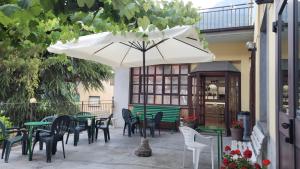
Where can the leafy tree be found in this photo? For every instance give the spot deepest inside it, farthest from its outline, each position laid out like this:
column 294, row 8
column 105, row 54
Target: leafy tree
column 28, row 27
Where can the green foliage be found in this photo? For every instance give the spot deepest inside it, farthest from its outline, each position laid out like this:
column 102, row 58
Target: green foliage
column 28, row 27
column 7, row 123
column 5, row 120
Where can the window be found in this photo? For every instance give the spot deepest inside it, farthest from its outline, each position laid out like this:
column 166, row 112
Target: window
column 94, row 101
column 166, row 84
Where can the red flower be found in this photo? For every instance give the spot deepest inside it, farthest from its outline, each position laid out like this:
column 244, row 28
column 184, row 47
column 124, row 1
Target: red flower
column 266, row 162
column 232, row 166
column 244, row 167
column 227, row 148
column 257, row 166
column 237, row 124
column 222, row 167
column 238, row 152
column 232, row 152
column 225, row 161
column 247, row 153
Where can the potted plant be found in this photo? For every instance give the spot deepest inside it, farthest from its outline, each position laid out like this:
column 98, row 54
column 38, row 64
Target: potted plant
column 237, row 130
column 189, row 121
column 236, row 159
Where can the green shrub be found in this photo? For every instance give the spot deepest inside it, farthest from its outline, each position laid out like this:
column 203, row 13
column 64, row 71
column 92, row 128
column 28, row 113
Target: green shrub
column 7, row 124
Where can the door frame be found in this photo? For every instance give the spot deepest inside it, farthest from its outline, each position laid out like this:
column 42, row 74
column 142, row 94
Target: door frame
column 292, row 62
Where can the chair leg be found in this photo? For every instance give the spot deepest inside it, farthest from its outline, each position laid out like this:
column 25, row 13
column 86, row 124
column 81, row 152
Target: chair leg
column 105, row 135
column 152, row 131
column 108, row 134
column 24, row 144
column 124, row 129
column 54, row 147
column 4, row 147
column 7, row 152
column 89, row 134
column 63, row 147
column 67, row 137
column 197, row 156
column 159, row 131
column 96, row 133
column 41, row 145
column 49, row 150
column 33, row 145
column 76, row 137
column 129, row 130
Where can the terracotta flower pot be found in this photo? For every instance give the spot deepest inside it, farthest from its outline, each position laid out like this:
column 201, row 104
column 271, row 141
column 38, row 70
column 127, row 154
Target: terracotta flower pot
column 237, row 133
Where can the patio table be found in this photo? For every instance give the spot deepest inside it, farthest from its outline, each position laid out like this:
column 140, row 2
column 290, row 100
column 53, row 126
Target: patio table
column 31, row 125
column 91, row 128
column 219, row 132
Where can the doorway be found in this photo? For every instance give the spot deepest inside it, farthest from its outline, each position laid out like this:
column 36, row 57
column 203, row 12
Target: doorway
column 215, row 94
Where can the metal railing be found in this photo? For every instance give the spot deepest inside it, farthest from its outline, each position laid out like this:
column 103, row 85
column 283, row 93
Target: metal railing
column 19, row 113
column 102, row 108
column 226, row 17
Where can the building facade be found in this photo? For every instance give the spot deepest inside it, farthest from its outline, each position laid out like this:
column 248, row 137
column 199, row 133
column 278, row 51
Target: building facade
column 213, row 92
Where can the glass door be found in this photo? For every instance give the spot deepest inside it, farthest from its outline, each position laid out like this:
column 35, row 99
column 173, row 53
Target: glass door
column 286, row 86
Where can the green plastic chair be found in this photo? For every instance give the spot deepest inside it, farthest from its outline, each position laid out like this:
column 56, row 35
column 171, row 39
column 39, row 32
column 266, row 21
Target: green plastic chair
column 8, row 141
column 40, row 130
column 78, row 126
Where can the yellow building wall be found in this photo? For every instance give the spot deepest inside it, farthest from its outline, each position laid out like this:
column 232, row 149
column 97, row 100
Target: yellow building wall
column 271, row 103
column 105, row 94
column 238, row 54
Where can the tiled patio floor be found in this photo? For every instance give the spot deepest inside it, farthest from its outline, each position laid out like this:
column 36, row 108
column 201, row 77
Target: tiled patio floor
column 116, row 154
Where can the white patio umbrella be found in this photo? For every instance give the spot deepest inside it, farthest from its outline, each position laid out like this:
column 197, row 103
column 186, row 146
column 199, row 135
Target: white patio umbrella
column 179, row 44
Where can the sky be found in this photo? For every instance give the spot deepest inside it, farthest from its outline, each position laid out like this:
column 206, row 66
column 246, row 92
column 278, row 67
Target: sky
column 214, row 3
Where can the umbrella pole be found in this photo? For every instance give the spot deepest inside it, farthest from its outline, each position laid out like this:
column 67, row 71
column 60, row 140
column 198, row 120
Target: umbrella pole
column 144, row 149
column 145, row 94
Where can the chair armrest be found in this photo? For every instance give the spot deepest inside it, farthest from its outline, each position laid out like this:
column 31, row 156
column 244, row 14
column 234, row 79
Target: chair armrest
column 100, row 121
column 15, row 130
column 203, row 137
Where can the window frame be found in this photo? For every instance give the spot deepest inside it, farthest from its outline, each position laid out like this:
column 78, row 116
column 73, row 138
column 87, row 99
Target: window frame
column 163, row 84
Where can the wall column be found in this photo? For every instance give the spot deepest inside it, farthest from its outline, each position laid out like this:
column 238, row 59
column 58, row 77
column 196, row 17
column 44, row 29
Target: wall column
column 121, row 94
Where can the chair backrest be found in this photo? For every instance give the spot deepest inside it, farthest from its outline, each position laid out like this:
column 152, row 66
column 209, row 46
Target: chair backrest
column 48, row 119
column 188, row 134
column 3, row 133
column 158, row 117
column 257, row 138
column 126, row 114
column 60, row 125
column 108, row 120
column 84, row 114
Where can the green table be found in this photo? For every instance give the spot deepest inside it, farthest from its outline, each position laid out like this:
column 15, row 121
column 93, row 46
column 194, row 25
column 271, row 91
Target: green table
column 91, row 128
column 31, row 125
column 219, row 132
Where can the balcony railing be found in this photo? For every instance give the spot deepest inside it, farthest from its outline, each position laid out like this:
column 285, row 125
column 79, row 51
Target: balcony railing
column 231, row 17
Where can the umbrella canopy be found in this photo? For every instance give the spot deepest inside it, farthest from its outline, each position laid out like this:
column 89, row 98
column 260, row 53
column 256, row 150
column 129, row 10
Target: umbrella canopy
column 179, row 44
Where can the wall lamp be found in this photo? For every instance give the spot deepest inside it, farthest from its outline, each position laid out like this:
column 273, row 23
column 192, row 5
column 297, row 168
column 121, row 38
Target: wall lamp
column 251, row 46
column 258, row 2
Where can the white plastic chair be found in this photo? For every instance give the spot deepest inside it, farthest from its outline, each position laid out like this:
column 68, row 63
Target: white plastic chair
column 189, row 135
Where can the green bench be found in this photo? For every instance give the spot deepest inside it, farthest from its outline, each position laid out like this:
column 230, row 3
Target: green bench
column 171, row 114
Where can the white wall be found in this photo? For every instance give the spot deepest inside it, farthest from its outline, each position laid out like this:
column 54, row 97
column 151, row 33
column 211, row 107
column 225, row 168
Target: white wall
column 121, row 94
